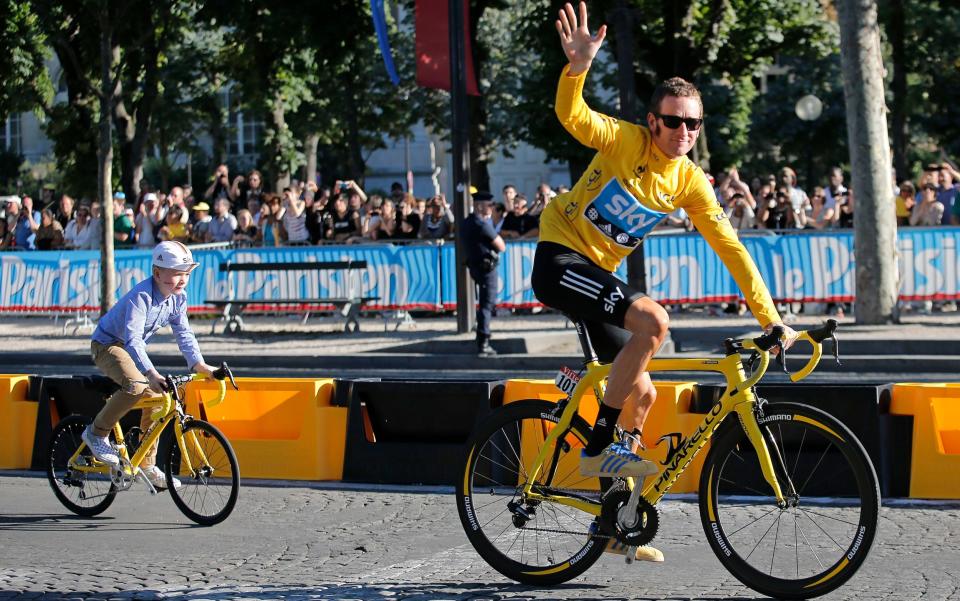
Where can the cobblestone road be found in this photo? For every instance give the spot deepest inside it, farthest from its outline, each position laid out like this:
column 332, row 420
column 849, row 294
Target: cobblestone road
column 303, row 543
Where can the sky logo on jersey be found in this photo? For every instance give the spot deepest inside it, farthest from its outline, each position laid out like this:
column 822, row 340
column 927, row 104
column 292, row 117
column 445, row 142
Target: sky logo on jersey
column 620, row 216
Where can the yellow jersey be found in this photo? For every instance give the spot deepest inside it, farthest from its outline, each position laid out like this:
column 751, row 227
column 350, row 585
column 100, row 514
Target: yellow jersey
column 628, row 188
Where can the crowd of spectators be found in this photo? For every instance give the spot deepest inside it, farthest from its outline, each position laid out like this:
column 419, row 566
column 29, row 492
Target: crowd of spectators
column 242, row 212
column 776, row 202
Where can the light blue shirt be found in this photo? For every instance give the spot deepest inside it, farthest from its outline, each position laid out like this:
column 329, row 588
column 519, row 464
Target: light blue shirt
column 222, row 228
column 139, row 315
column 23, row 234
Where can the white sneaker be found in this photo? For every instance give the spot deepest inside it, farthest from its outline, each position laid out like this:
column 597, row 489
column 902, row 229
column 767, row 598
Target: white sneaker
column 100, row 447
column 158, row 479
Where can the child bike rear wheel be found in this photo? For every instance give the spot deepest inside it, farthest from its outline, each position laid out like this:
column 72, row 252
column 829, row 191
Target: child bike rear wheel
column 208, row 471
column 533, row 542
column 86, row 493
column 819, row 540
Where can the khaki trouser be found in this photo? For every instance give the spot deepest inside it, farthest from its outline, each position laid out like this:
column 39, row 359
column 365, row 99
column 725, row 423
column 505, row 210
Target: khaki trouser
column 115, row 362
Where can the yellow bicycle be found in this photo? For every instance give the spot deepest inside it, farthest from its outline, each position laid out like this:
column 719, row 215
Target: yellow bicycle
column 788, row 497
column 201, row 457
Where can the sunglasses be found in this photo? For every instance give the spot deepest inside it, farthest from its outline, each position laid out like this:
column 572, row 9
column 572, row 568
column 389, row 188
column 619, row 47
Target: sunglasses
column 673, row 122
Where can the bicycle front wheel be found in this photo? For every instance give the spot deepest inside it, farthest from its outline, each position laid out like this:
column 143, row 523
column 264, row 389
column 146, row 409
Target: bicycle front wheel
column 821, row 538
column 530, row 541
column 208, row 472
column 83, row 485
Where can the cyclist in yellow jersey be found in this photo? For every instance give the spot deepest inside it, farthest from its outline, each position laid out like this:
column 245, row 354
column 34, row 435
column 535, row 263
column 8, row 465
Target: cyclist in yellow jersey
column 638, row 176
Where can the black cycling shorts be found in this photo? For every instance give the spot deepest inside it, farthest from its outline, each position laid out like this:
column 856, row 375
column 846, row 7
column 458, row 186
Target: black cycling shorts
column 565, row 280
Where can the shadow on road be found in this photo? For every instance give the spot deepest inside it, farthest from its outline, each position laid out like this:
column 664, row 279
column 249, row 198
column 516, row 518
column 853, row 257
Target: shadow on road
column 441, row 591
column 44, row 522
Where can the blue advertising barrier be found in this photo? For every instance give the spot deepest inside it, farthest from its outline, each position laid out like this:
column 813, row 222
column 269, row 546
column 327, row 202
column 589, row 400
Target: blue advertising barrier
column 680, row 268
column 64, row 281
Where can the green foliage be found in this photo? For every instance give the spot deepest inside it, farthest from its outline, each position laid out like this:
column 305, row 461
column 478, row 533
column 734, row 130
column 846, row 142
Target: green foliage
column 534, row 118
column 780, row 138
column 719, row 45
column 23, row 50
column 191, row 76
column 933, row 82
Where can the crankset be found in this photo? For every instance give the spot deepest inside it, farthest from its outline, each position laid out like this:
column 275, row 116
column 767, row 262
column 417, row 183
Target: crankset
column 632, row 528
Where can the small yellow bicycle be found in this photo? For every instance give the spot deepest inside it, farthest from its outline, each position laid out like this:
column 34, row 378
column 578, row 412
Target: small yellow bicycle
column 201, row 457
column 788, row 497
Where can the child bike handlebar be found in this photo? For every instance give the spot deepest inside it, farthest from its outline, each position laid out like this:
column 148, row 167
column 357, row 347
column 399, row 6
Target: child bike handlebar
column 220, row 374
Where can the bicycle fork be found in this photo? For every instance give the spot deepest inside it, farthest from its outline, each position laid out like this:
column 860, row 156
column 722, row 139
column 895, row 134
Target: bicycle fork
column 749, row 419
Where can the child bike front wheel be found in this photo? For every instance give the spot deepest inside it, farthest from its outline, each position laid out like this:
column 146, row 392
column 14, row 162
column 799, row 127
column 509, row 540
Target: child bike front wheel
column 208, row 472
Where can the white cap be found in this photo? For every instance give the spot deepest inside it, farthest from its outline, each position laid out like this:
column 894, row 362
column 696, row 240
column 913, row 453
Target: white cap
column 6, row 199
column 173, row 255
column 149, row 196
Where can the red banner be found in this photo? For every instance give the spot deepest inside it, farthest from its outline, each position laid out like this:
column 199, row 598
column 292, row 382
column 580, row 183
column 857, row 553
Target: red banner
column 433, row 45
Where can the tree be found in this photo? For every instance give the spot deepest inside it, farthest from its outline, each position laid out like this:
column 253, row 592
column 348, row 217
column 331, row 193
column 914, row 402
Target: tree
column 926, row 80
column 23, row 51
column 85, row 36
column 191, row 77
column 875, row 231
column 498, row 63
column 725, row 41
column 270, row 61
column 147, row 31
column 778, row 137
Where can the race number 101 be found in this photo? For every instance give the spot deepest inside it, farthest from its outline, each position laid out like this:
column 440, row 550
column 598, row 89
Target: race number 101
column 566, row 380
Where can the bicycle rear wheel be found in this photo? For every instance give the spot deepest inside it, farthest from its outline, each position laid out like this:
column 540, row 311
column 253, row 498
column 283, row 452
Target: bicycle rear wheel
column 208, row 471
column 822, row 537
column 86, row 493
column 533, row 542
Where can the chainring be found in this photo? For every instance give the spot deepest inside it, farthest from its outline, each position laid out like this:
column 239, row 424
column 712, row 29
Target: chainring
column 638, row 535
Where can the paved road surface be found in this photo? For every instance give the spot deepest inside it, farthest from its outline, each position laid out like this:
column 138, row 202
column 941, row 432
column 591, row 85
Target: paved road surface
column 296, row 542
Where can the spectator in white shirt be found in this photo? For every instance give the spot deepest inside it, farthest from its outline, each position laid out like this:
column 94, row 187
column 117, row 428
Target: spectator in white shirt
column 81, row 233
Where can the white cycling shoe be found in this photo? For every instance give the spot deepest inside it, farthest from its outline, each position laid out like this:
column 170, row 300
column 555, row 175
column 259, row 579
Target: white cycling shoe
column 158, row 479
column 100, row 447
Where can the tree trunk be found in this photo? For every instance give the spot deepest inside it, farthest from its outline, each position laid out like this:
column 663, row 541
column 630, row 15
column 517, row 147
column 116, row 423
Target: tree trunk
column 311, row 144
column 281, row 166
column 109, row 55
column 356, row 166
column 899, row 116
column 165, row 166
column 479, row 170
column 874, row 220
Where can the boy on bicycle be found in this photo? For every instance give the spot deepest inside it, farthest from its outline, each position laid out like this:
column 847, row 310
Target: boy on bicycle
column 119, row 346
column 638, row 176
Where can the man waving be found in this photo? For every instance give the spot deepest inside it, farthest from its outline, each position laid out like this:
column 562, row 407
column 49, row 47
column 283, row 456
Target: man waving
column 638, row 176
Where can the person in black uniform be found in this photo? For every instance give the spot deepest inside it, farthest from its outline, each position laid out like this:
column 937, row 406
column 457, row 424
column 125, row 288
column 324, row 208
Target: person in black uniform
column 483, row 246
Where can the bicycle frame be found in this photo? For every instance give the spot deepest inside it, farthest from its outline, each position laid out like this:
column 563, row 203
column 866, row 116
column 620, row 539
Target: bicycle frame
column 168, row 408
column 737, row 398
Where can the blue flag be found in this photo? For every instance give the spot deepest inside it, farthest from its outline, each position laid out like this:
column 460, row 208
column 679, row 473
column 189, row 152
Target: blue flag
column 380, row 24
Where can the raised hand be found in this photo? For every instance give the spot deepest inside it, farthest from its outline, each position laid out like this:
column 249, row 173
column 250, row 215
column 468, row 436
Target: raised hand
column 579, row 46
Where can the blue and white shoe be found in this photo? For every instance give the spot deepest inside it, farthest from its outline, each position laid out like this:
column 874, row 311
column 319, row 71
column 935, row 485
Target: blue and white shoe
column 616, row 461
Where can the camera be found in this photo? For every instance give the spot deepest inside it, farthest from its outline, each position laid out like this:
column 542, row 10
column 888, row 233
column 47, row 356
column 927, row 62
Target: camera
column 344, row 186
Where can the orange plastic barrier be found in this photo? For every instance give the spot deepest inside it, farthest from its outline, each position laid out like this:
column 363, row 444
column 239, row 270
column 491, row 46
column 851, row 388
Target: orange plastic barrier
column 671, row 413
column 935, row 456
column 18, row 422
column 280, row 428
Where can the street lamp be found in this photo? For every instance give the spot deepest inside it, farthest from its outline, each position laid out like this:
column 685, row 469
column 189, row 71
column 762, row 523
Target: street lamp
column 808, row 109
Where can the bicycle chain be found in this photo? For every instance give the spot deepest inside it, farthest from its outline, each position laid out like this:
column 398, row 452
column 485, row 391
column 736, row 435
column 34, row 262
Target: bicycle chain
column 555, row 531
